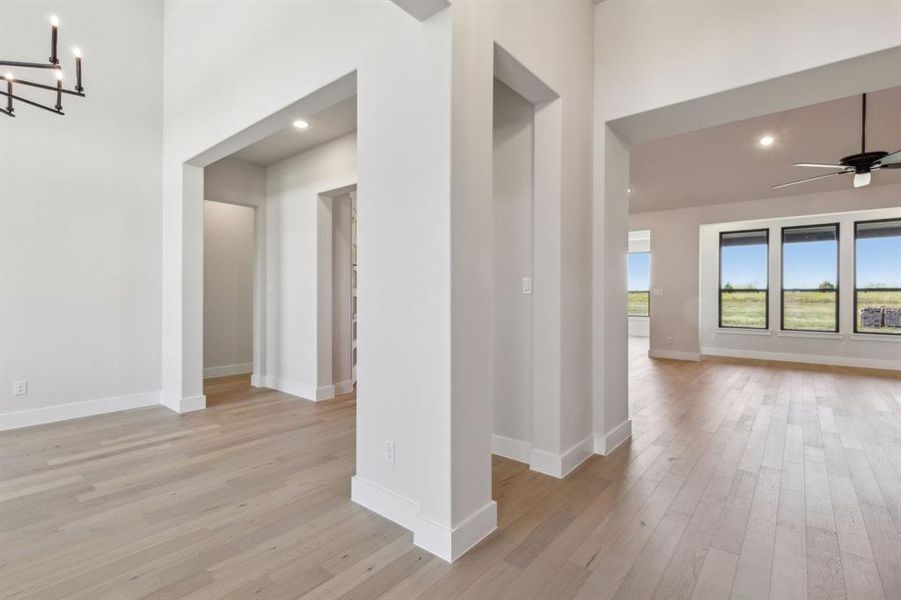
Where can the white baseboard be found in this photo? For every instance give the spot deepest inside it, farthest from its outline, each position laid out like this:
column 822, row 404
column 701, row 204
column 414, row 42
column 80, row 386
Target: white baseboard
column 449, row 544
column 295, row 388
column 674, row 354
column 75, row 410
column 226, row 370
column 402, row 511
column 344, row 387
column 510, row 448
column 325, row 392
column 561, row 465
column 604, row 444
column 445, row 543
column 184, row 405
column 257, row 380
column 812, row 359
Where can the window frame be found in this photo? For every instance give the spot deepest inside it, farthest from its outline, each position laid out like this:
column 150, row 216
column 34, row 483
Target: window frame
column 647, row 291
column 782, row 288
column 854, row 266
column 719, row 292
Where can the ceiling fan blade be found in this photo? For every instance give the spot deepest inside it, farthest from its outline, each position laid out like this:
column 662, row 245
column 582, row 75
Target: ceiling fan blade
column 891, row 166
column 782, row 185
column 819, row 165
column 891, row 159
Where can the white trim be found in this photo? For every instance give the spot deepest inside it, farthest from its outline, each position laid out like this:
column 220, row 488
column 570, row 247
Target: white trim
column 739, row 331
column 875, row 337
column 510, row 448
column 814, row 335
column 561, row 465
column 447, row 544
column 184, row 405
column 546, row 462
column 289, row 386
column 257, row 380
column 76, row 410
column 674, row 354
column 451, row 544
column 226, row 370
column 814, row 359
column 576, row 455
column 325, row 392
column 402, row 511
column 605, row 444
column 344, row 387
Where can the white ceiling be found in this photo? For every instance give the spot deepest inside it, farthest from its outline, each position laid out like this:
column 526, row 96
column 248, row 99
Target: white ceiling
column 326, row 125
column 727, row 164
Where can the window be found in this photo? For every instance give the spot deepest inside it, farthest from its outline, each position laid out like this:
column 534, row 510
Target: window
column 877, row 276
column 639, row 284
column 810, row 278
column 744, row 294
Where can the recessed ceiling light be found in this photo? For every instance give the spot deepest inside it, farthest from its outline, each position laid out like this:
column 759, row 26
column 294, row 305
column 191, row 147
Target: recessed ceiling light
column 628, row 190
column 767, row 140
column 301, row 124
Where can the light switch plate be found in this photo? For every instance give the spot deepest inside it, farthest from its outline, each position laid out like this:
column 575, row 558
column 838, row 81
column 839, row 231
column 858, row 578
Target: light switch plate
column 527, row 285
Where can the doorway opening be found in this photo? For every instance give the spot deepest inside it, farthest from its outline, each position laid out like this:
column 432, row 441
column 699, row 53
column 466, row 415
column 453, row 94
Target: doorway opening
column 292, row 260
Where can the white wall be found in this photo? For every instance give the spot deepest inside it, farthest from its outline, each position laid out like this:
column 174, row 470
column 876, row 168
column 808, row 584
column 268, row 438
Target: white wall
column 228, row 261
column 235, row 181
column 653, row 53
column 676, row 254
column 512, row 218
column 80, row 216
column 842, row 348
column 299, row 302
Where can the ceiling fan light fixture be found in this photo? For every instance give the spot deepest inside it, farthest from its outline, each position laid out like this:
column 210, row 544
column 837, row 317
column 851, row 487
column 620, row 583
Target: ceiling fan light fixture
column 861, row 179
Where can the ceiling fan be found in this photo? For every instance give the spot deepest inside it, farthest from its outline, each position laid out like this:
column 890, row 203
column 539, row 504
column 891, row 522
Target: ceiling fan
column 861, row 165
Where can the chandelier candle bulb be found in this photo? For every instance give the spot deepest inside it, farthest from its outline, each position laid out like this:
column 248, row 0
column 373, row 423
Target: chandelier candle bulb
column 54, row 34
column 77, row 52
column 59, row 90
column 9, row 93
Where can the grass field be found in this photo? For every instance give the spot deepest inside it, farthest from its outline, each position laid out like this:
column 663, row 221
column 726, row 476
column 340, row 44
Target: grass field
column 743, row 309
column 811, row 311
column 639, row 304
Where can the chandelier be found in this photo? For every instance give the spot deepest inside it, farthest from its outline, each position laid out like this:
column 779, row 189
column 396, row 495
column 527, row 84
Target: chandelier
column 12, row 81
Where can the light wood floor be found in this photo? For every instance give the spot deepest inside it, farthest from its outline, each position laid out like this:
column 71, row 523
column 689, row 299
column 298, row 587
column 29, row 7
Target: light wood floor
column 742, row 479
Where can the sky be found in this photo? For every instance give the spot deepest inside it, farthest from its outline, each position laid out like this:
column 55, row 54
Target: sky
column 744, row 266
column 639, row 271
column 879, row 262
column 806, row 265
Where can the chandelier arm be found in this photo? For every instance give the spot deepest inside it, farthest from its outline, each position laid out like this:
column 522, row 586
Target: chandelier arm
column 47, row 87
column 29, row 65
column 27, row 101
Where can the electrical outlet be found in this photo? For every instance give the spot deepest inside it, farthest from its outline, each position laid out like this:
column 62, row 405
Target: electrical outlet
column 20, row 388
column 669, row 339
column 389, row 451
column 658, row 291
column 527, row 285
